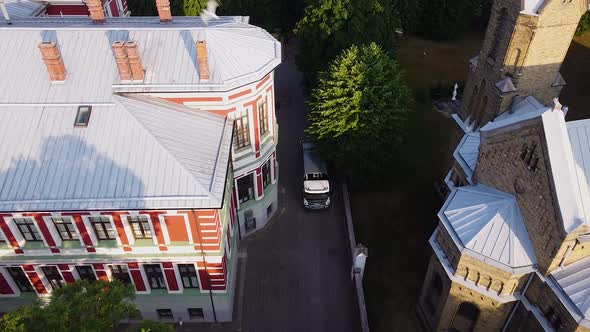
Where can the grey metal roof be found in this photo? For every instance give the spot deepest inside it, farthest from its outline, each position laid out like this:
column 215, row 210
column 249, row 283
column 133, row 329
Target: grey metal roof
column 238, row 54
column 488, row 222
column 138, row 153
column 574, row 280
column 467, row 153
column 23, row 8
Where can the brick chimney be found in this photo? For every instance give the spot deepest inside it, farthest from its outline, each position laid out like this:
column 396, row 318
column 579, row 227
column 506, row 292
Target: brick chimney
column 53, row 61
column 202, row 60
column 96, row 11
column 164, row 10
column 122, row 60
column 137, row 73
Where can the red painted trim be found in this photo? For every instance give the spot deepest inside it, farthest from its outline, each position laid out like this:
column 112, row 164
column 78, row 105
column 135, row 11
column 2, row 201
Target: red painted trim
column 222, row 112
column 240, row 94
column 67, row 10
column 102, row 275
column 119, row 226
column 54, row 250
column 36, row 281
column 171, row 279
column 193, row 99
column 98, row 266
column 137, row 280
column 133, row 265
column 5, row 288
column 68, row 277
column 38, row 217
column 81, row 227
column 176, row 227
column 7, row 232
column 163, row 248
column 127, row 249
column 204, row 280
column 114, row 9
column 91, row 249
column 154, row 216
column 63, row 267
column 19, row 251
column 28, row 268
column 167, row 265
column 254, row 105
column 259, row 181
column 264, row 80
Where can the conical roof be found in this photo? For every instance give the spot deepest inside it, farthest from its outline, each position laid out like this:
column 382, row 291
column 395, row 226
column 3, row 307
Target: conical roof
column 488, row 222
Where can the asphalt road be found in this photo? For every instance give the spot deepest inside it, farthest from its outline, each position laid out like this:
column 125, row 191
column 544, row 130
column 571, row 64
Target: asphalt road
column 298, row 268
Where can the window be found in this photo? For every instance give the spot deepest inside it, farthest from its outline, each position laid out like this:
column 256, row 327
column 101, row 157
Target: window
column 53, row 275
column 266, row 174
column 465, row 318
column 263, row 117
column 20, row 279
column 66, row 229
column 165, row 313
column 141, row 227
column 246, row 188
column 27, row 228
column 121, row 273
column 241, row 131
column 86, row 273
column 103, row 228
column 2, row 239
column 83, row 116
column 155, row 276
column 188, row 275
column 195, row 313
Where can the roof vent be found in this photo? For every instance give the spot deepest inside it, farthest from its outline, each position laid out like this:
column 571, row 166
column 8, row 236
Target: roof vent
column 137, row 73
column 96, row 11
column 53, row 61
column 164, row 10
column 202, row 60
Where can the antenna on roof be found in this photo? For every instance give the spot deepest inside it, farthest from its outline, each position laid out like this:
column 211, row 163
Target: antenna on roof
column 5, row 12
column 208, row 13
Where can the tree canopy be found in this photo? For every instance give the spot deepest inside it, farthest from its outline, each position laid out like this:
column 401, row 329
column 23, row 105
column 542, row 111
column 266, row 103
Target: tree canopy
column 82, row 306
column 330, row 26
column 359, row 111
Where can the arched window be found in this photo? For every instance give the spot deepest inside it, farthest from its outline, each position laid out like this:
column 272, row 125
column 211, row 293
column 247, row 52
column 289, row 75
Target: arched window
column 501, row 24
column 436, row 287
column 465, row 318
column 514, row 61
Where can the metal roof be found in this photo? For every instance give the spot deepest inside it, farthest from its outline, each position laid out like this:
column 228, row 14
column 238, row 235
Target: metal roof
column 23, row 8
column 136, row 154
column 238, row 54
column 467, row 153
column 578, row 132
column 574, row 280
column 489, row 223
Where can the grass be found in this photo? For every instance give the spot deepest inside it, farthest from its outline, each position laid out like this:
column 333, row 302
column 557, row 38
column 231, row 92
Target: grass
column 395, row 223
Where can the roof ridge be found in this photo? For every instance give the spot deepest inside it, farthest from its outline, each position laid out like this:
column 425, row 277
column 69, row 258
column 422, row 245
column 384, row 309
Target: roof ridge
column 174, row 156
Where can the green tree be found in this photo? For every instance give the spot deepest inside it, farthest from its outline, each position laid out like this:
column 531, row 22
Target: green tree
column 330, row 26
column 359, row 112
column 83, row 306
column 584, row 25
column 191, row 7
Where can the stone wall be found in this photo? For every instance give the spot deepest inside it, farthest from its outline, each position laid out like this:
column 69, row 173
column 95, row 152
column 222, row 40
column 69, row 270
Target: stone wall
column 514, row 160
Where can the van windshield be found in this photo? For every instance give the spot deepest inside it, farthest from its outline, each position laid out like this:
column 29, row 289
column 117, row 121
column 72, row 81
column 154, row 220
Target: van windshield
column 315, row 177
column 311, row 197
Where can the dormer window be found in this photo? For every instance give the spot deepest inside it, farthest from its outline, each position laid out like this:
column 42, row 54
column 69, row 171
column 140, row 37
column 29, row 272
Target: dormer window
column 83, row 116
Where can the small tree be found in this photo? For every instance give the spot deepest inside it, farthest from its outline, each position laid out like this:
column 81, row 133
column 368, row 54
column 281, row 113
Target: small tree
column 83, row 306
column 193, row 7
column 359, row 111
column 584, row 25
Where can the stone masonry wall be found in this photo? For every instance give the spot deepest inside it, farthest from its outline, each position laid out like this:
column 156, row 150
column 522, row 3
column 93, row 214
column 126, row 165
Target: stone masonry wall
column 514, row 160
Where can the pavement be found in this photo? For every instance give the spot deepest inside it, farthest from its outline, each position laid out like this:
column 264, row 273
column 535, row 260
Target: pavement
column 294, row 275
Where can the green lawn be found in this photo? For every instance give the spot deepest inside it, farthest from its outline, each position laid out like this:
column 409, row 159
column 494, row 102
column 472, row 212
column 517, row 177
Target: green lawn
column 396, row 222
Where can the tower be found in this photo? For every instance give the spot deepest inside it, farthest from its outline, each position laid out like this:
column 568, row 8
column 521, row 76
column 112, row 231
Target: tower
column 525, row 44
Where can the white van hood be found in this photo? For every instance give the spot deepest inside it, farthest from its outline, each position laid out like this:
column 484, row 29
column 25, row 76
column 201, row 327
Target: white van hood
column 317, row 186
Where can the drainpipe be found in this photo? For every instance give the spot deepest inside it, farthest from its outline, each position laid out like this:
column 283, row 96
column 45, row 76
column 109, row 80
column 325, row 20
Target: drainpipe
column 205, row 264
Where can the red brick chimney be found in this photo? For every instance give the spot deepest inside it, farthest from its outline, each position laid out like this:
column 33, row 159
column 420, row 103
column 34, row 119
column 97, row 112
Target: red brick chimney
column 164, row 10
column 137, row 73
column 96, row 11
column 122, row 60
column 202, row 60
column 53, row 61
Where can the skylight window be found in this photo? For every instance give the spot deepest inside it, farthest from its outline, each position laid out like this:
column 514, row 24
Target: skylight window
column 83, row 116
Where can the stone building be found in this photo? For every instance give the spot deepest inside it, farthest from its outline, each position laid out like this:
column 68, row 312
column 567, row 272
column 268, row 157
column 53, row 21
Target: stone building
column 134, row 148
column 512, row 247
